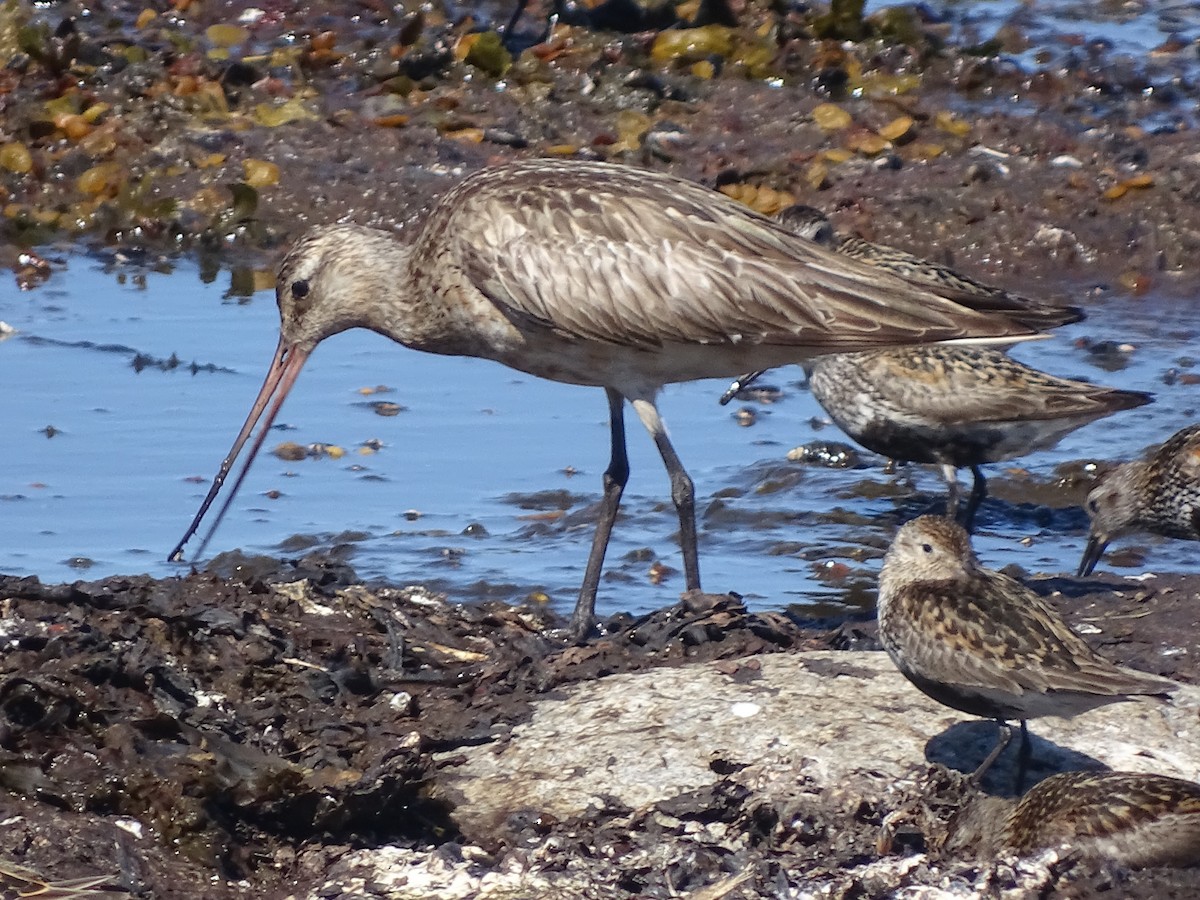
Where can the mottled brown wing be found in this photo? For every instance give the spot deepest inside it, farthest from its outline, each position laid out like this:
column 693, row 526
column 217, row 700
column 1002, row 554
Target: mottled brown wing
column 1073, row 805
column 626, row 256
column 959, row 287
column 1023, row 645
column 952, row 385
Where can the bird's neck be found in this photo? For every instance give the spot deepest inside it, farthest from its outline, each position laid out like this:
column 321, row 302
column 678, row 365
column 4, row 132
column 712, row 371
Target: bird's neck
column 387, row 295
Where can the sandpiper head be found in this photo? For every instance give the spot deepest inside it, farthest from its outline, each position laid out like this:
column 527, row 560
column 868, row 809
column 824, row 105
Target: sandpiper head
column 929, row 548
column 1112, row 505
column 326, row 282
column 806, row 222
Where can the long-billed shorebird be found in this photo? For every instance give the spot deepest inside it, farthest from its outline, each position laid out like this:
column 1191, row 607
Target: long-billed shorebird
column 606, row 276
column 981, row 642
column 1160, row 495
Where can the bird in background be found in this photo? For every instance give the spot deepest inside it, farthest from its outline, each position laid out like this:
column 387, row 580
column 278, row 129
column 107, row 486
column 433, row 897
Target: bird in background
column 813, row 225
column 1160, row 494
column 604, row 276
column 956, row 407
column 982, row 643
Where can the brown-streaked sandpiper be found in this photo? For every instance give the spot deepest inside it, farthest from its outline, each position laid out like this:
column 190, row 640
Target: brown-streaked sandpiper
column 981, row 642
column 1160, row 494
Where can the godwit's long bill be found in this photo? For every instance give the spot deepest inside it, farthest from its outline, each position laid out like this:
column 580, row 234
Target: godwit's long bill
column 598, row 275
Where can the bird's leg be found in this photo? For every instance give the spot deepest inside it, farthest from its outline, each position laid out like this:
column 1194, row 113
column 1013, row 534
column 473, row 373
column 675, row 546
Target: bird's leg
column 683, row 492
column 978, row 493
column 739, row 383
column 519, row 10
column 953, row 491
column 1024, row 755
column 1002, row 741
column 615, row 477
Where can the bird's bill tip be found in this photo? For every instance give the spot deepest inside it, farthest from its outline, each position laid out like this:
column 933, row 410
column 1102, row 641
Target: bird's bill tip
column 285, row 366
column 1091, row 555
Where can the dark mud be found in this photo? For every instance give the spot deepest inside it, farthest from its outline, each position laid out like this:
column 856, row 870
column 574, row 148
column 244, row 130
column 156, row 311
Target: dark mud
column 152, row 132
column 243, row 735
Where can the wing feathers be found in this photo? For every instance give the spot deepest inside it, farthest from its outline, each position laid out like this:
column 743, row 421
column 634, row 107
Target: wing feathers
column 624, row 256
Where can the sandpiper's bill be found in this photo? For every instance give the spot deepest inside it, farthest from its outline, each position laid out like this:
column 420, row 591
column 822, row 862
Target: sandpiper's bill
column 1160, row 494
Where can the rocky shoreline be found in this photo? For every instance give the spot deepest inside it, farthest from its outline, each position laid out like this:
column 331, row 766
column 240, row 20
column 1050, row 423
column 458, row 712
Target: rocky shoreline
column 289, row 731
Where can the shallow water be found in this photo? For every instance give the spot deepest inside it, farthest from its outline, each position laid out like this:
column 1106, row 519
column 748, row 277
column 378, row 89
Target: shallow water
column 106, row 463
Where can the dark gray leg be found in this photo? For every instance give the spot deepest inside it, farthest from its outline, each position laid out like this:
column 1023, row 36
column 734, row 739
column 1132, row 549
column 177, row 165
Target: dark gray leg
column 978, row 492
column 517, row 12
column 1002, row 741
column 683, row 492
column 615, row 477
column 1024, row 755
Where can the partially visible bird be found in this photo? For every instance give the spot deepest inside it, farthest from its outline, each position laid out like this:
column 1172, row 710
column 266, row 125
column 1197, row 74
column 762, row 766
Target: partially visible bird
column 981, row 642
column 1134, row 819
column 949, row 406
column 1160, row 494
column 601, row 275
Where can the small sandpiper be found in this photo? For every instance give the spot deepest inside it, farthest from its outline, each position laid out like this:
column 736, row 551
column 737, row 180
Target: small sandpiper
column 1160, row 495
column 1132, row 818
column 951, row 406
column 983, row 643
column 956, row 407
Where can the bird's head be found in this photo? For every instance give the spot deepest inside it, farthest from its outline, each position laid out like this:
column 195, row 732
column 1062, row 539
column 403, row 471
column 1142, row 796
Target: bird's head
column 329, row 282
column 806, row 222
column 930, row 548
column 1112, row 507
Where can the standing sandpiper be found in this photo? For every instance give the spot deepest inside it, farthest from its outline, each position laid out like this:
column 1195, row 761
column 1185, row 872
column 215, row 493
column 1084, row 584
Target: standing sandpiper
column 983, row 643
column 1160, row 495
column 600, row 275
column 956, row 407
column 944, row 405
column 1131, row 818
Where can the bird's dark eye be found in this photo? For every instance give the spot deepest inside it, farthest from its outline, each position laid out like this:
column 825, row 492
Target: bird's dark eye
column 927, row 548
column 1094, row 505
column 300, row 289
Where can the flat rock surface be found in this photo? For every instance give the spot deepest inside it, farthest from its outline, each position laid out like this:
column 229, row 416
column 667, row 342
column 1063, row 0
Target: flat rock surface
column 825, row 719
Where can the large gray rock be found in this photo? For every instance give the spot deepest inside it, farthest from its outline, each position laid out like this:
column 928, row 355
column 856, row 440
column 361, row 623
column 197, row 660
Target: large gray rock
column 833, row 721
column 831, row 741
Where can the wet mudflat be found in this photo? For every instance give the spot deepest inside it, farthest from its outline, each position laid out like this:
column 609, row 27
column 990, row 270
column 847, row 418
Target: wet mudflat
column 248, row 731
